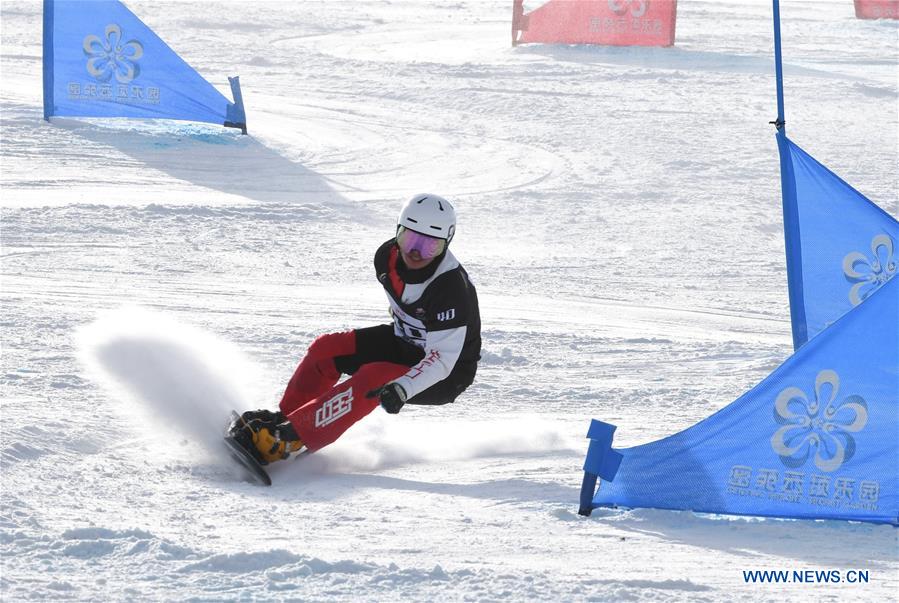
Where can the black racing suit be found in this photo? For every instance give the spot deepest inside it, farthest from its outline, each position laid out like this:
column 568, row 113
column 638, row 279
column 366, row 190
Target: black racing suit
column 436, row 327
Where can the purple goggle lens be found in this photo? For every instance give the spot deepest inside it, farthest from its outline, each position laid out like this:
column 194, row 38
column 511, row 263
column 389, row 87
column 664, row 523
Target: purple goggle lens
column 427, row 247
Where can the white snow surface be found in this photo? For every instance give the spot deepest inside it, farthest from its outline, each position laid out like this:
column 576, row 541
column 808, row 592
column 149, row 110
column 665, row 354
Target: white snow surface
column 619, row 212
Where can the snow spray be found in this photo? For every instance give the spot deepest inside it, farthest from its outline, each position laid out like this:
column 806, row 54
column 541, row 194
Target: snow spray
column 169, row 374
column 382, row 442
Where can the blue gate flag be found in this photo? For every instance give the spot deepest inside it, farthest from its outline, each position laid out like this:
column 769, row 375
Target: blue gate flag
column 840, row 246
column 100, row 60
column 601, row 461
column 818, row 438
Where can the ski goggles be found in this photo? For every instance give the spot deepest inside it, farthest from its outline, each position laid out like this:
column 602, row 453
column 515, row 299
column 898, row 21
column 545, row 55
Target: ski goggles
column 427, row 247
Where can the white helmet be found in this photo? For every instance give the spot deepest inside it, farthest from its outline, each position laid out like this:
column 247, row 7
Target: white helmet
column 430, row 215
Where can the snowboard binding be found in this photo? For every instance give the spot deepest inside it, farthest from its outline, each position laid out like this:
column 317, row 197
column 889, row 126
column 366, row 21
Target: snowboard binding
column 242, row 449
column 258, row 438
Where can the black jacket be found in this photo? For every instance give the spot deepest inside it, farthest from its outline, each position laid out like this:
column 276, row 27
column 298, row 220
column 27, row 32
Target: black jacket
column 436, row 309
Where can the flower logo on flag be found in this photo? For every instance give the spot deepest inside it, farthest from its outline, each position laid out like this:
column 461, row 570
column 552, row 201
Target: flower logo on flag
column 637, row 8
column 111, row 56
column 822, row 426
column 869, row 274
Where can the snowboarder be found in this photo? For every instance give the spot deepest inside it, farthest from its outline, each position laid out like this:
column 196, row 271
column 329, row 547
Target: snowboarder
column 428, row 355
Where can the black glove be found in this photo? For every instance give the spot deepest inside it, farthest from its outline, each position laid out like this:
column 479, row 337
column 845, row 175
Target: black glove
column 392, row 397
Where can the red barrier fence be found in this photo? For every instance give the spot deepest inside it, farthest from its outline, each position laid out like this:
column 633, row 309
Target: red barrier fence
column 877, row 9
column 605, row 22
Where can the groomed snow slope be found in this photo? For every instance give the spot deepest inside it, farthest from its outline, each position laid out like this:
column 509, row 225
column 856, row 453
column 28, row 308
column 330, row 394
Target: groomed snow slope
column 619, row 214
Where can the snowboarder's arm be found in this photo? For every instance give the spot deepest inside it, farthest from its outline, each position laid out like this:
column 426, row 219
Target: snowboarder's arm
column 442, row 350
column 446, row 319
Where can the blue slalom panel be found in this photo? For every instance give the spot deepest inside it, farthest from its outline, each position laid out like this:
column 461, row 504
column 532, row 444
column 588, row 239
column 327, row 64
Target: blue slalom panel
column 100, row 60
column 840, row 246
column 818, row 438
column 601, row 462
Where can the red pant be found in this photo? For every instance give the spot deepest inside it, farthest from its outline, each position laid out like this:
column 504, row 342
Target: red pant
column 320, row 411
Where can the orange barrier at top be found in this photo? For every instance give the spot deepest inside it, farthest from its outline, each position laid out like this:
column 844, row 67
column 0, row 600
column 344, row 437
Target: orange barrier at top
column 877, row 9
column 606, row 22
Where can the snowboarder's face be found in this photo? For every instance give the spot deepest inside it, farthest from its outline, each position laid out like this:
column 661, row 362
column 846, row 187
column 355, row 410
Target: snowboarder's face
column 418, row 250
column 414, row 260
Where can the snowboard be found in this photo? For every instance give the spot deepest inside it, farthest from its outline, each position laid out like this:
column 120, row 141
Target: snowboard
column 242, row 456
